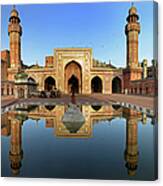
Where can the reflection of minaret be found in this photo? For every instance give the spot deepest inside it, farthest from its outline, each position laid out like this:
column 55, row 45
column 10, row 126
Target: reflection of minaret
column 131, row 152
column 144, row 118
column 16, row 152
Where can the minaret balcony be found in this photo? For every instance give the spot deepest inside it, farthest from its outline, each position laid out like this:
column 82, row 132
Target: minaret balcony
column 14, row 28
column 132, row 27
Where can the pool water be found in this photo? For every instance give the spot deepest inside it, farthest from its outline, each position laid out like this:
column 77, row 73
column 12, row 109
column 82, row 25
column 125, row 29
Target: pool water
column 113, row 143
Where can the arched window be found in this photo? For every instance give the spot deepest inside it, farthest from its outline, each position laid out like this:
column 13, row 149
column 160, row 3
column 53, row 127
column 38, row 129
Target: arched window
column 135, row 90
column 8, row 90
column 140, row 90
column 2, row 91
column 12, row 91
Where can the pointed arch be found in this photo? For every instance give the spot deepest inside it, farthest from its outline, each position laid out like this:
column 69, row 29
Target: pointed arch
column 96, row 85
column 73, row 77
column 49, row 83
column 30, row 79
column 116, row 85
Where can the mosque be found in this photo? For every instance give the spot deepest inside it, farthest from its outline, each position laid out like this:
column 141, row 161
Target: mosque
column 76, row 67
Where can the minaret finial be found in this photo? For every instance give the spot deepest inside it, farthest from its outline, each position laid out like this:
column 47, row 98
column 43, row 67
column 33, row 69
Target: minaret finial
column 132, row 3
column 36, row 62
column 14, row 6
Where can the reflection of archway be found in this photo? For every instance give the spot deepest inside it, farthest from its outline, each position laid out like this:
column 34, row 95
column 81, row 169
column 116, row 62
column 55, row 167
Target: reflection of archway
column 96, row 85
column 49, row 83
column 116, row 106
column 116, row 85
column 49, row 107
column 73, row 77
column 96, row 107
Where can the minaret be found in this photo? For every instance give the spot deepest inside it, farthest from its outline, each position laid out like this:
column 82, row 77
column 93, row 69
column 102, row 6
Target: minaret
column 132, row 31
column 15, row 32
column 133, row 70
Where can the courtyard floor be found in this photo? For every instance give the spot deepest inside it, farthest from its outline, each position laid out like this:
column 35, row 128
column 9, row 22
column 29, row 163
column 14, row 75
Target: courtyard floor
column 7, row 100
column 141, row 101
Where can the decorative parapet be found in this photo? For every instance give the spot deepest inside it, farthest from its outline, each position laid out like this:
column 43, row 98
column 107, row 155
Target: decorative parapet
column 97, row 63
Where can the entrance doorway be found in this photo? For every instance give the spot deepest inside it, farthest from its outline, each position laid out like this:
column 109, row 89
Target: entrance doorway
column 73, row 84
column 73, row 78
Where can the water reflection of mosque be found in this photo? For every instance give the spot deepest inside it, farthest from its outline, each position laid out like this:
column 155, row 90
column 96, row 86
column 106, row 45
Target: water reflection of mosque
column 12, row 123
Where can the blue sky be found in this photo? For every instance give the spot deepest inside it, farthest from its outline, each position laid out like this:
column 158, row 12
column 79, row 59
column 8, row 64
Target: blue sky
column 98, row 25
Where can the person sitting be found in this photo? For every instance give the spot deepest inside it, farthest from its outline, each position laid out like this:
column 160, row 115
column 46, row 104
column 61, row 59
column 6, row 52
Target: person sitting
column 43, row 94
column 55, row 92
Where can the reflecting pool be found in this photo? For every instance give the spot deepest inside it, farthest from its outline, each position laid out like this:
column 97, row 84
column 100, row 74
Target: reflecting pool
column 113, row 143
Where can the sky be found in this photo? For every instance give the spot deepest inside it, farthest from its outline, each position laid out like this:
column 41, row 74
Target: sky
column 99, row 26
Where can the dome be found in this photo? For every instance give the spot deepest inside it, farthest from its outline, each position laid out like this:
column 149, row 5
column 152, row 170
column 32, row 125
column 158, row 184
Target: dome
column 15, row 171
column 21, row 75
column 14, row 13
column 132, row 10
column 131, row 172
column 21, row 78
column 21, row 117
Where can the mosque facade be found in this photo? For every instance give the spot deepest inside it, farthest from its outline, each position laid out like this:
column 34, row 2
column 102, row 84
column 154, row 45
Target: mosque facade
column 76, row 67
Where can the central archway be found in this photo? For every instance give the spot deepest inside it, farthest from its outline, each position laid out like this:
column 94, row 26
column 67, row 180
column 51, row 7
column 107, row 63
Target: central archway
column 96, row 85
column 73, row 77
column 73, row 83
